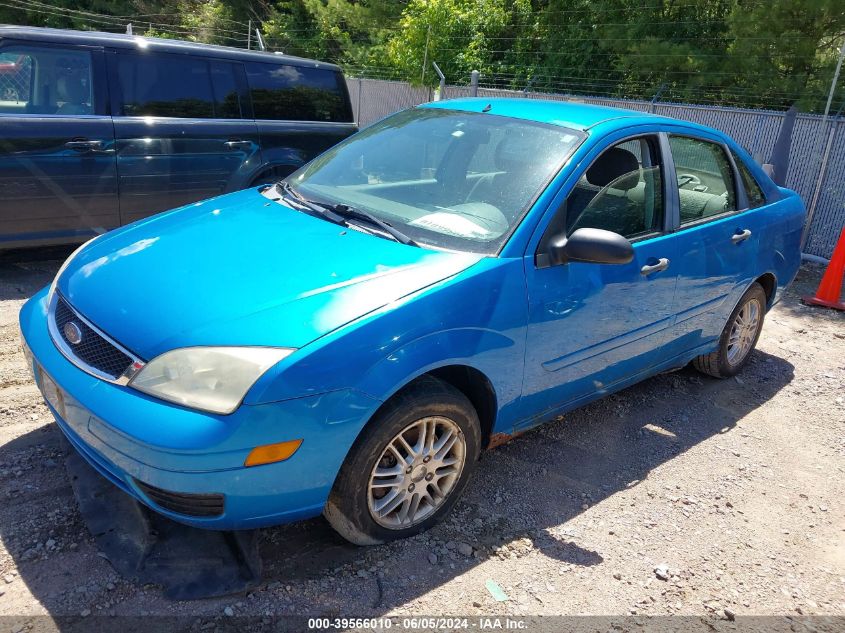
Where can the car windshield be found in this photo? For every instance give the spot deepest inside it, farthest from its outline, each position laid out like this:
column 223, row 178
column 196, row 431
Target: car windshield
column 445, row 179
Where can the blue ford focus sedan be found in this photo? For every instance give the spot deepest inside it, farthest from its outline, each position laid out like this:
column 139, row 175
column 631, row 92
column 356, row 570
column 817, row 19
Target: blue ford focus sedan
column 348, row 341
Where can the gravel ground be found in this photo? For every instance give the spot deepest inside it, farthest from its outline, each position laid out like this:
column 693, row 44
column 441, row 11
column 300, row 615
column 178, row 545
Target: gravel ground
column 681, row 495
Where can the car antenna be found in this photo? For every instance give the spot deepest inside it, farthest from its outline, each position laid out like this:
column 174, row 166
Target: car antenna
column 487, row 108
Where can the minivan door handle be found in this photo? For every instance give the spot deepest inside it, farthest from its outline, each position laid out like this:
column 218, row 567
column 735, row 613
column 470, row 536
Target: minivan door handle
column 236, row 143
column 662, row 264
column 84, row 145
column 740, row 236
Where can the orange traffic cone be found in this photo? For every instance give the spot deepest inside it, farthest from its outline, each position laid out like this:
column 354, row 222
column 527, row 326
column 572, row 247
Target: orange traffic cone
column 828, row 294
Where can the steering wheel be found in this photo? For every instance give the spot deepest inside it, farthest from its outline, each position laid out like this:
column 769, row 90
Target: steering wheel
column 688, row 179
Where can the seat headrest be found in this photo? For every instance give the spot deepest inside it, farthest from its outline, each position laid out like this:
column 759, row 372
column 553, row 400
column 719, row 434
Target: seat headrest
column 615, row 163
column 71, row 89
column 514, row 151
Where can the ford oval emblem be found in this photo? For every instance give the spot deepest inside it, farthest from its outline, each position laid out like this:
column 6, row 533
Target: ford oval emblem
column 72, row 333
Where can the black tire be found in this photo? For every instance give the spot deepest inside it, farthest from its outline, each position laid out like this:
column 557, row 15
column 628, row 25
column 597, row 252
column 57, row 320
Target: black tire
column 718, row 363
column 348, row 509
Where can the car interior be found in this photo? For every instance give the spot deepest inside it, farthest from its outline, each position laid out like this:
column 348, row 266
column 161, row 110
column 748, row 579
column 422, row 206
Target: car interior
column 42, row 81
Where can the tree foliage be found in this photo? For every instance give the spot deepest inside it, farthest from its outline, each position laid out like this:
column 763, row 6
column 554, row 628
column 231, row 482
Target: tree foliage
column 756, row 53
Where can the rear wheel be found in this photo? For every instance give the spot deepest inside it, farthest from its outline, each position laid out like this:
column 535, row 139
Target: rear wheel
column 409, row 467
column 738, row 338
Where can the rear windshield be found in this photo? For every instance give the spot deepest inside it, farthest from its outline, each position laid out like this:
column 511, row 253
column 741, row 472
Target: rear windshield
column 294, row 93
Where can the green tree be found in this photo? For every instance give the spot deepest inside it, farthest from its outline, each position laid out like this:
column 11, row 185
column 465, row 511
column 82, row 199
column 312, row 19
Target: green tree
column 342, row 31
column 785, row 51
column 460, row 35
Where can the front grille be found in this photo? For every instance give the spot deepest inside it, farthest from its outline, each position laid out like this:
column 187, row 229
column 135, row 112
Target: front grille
column 93, row 349
column 189, row 504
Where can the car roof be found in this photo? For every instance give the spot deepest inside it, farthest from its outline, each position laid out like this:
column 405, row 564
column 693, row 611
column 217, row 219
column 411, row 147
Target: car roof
column 571, row 114
column 137, row 42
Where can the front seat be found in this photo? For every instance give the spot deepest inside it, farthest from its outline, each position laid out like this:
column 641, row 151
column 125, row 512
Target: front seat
column 615, row 172
column 513, row 186
column 71, row 90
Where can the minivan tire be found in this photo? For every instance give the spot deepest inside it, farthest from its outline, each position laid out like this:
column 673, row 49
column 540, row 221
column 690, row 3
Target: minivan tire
column 426, row 401
column 719, row 363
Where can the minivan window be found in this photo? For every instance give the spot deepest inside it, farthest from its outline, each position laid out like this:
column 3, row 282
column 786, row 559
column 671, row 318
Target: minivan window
column 227, row 103
column 294, row 93
column 165, row 85
column 36, row 80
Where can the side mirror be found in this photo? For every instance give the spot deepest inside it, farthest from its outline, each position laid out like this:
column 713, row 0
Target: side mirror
column 595, row 246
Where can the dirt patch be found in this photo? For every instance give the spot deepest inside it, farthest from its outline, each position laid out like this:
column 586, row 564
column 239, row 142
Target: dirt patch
column 683, row 495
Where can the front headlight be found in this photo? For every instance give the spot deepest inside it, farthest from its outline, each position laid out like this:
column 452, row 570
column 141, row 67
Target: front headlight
column 213, row 379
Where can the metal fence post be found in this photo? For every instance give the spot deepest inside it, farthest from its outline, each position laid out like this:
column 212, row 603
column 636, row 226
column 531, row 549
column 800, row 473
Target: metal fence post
column 653, row 104
column 360, row 90
column 473, row 84
column 811, row 209
column 442, row 80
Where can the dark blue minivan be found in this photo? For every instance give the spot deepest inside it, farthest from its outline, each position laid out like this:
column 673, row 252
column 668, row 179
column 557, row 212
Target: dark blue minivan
column 98, row 130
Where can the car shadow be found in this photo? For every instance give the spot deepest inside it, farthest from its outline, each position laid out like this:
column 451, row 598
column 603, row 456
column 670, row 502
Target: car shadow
column 24, row 272
column 524, row 493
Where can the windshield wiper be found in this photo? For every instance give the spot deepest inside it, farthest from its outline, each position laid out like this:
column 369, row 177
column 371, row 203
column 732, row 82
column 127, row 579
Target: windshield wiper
column 340, row 213
column 354, row 213
column 314, row 208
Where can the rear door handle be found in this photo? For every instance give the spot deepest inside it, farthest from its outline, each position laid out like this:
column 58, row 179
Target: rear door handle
column 236, row 143
column 740, row 236
column 662, row 264
column 84, row 145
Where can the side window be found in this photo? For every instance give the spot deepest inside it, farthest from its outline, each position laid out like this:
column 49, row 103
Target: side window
column 165, row 85
column 705, row 178
column 46, row 80
column 295, row 93
column 621, row 191
column 227, row 101
column 756, row 197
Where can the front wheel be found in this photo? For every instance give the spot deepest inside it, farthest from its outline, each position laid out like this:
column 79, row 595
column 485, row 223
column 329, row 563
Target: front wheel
column 409, row 467
column 738, row 338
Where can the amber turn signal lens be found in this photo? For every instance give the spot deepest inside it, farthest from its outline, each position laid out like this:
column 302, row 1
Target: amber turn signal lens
column 270, row 453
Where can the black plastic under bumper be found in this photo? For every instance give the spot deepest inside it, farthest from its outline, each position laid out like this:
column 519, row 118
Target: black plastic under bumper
column 144, row 546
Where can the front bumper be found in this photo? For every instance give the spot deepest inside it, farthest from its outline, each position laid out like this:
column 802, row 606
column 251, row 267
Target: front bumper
column 130, row 438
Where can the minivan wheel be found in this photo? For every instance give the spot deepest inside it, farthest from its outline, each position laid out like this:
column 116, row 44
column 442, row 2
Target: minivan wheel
column 409, row 466
column 738, row 338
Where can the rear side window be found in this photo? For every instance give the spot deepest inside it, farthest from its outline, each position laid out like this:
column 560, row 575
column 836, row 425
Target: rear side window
column 46, row 80
column 172, row 86
column 756, row 198
column 293, row 93
column 705, row 178
column 227, row 104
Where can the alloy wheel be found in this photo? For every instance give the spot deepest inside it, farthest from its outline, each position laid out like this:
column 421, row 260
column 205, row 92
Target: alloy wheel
column 416, row 472
column 744, row 331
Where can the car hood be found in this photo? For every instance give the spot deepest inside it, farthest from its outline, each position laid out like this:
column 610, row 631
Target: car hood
column 241, row 270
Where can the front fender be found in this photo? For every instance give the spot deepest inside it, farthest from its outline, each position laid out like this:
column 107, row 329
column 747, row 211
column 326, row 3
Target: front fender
column 486, row 351
column 476, row 318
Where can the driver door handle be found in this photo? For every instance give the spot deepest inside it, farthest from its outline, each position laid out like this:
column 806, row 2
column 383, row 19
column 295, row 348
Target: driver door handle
column 662, row 264
column 236, row 143
column 741, row 236
column 84, row 145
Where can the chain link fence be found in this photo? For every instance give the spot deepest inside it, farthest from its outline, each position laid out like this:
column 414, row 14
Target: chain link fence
column 14, row 77
column 817, row 154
